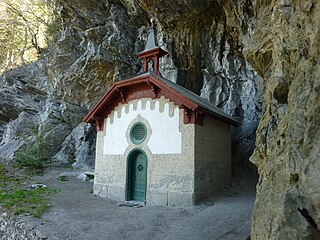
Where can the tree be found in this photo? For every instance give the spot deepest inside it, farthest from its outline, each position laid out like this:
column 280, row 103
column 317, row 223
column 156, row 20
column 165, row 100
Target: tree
column 26, row 28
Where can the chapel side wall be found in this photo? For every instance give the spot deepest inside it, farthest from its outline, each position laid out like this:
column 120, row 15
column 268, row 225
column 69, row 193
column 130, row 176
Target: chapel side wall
column 212, row 158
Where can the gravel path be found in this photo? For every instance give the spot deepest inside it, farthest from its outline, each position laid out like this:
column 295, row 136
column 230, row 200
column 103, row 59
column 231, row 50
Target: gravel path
column 78, row 214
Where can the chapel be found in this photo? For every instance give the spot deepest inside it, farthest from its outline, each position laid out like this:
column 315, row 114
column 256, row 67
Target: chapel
column 159, row 143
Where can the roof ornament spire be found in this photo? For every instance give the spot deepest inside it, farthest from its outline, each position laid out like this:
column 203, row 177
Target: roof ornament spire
column 152, row 41
column 152, row 52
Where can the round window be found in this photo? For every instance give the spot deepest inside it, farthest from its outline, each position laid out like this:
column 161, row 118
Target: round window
column 138, row 133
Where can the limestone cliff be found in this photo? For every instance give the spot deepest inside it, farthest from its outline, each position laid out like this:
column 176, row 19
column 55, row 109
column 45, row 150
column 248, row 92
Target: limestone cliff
column 229, row 52
column 284, row 48
column 93, row 52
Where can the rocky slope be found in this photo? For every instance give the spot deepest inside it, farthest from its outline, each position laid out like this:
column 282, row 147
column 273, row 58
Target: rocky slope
column 229, row 52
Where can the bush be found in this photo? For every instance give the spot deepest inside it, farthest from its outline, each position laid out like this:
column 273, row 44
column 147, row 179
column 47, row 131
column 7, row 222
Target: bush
column 34, row 153
column 29, row 157
column 63, row 178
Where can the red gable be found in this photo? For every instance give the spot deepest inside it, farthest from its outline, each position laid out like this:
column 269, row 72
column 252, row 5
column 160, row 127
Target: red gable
column 149, row 85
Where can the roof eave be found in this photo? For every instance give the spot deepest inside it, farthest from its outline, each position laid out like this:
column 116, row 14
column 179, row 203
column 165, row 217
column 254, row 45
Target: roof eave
column 145, row 78
column 231, row 121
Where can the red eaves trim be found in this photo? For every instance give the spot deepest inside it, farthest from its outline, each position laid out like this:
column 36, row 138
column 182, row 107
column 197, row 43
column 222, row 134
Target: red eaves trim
column 152, row 52
column 147, row 85
column 182, row 100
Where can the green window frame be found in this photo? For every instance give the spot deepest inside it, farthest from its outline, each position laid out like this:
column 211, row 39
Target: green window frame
column 138, row 133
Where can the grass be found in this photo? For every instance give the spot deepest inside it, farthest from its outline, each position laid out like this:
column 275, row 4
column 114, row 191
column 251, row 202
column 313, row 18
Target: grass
column 15, row 198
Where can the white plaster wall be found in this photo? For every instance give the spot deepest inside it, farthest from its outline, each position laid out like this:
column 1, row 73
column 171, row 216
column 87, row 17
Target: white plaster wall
column 165, row 137
column 170, row 177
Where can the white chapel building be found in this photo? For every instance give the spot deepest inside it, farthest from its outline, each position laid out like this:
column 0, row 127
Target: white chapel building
column 157, row 142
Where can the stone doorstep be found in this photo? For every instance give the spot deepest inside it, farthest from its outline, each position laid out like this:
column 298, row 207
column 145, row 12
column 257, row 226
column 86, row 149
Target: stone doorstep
column 134, row 204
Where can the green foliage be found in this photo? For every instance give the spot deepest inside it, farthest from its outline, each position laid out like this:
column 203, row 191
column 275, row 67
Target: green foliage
column 63, row 178
column 28, row 158
column 2, row 169
column 35, row 153
column 26, row 28
column 18, row 200
column 52, row 29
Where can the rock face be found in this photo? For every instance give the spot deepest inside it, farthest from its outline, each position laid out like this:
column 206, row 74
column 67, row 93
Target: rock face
column 27, row 103
column 98, row 44
column 285, row 49
column 21, row 98
column 229, row 52
column 93, row 52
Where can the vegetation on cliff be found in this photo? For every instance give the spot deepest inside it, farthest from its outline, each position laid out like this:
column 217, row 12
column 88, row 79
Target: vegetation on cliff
column 26, row 29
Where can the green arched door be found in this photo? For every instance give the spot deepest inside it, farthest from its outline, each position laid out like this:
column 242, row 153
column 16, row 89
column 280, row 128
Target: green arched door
column 137, row 176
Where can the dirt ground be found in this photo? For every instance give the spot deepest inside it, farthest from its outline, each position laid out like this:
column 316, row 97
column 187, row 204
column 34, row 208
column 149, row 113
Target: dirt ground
column 78, row 214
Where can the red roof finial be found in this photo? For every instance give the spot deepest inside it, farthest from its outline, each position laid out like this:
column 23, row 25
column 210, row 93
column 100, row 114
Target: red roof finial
column 152, row 52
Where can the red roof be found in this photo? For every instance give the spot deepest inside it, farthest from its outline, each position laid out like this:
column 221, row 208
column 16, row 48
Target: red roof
column 149, row 85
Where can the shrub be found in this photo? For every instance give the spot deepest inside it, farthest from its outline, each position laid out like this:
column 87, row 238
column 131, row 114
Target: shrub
column 34, row 153
column 63, row 178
